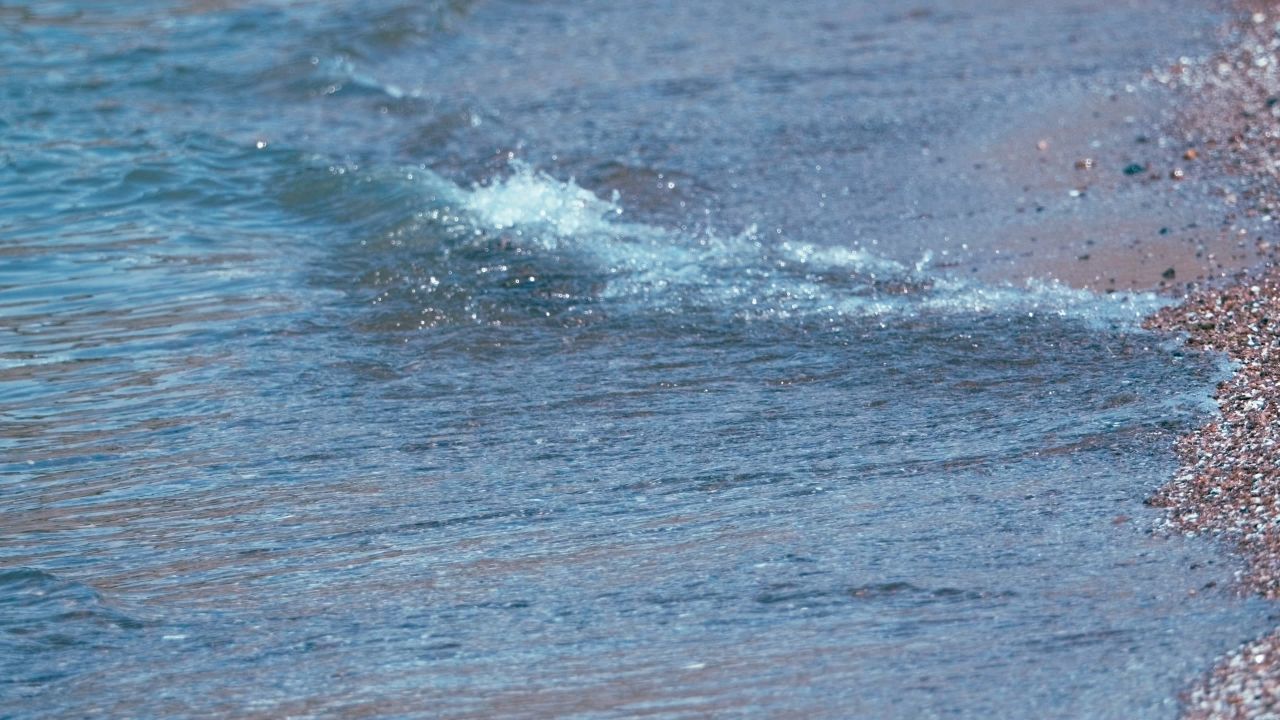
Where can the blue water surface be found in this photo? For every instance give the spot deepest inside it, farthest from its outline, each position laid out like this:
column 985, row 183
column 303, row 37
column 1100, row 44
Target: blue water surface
column 496, row 359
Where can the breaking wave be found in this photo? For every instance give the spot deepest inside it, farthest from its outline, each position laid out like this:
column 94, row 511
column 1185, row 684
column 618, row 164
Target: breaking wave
column 528, row 243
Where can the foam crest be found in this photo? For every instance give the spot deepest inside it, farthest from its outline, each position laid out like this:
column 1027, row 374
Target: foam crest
column 529, row 199
column 1042, row 297
column 746, row 275
column 839, row 258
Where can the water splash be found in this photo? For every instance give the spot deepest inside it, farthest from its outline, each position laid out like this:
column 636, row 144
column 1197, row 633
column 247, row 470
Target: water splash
column 531, row 199
column 529, row 238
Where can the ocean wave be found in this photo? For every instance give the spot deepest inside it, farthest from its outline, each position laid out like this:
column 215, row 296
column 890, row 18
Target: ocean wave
column 751, row 275
column 526, row 244
column 41, row 612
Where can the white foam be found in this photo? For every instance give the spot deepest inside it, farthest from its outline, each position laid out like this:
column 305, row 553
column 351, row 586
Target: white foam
column 749, row 276
column 839, row 258
column 1042, row 297
column 534, row 199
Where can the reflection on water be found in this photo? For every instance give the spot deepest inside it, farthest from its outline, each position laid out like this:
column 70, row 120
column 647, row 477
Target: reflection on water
column 314, row 404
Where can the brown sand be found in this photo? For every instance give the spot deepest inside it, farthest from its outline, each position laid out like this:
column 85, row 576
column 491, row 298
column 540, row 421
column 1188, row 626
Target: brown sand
column 1228, row 485
column 1229, row 482
column 1104, row 197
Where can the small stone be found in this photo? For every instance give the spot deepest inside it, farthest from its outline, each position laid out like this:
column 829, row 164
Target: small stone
column 1168, row 274
column 1190, row 154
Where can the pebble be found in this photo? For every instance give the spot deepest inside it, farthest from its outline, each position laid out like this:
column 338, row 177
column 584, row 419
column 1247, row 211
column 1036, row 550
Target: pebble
column 1228, row 483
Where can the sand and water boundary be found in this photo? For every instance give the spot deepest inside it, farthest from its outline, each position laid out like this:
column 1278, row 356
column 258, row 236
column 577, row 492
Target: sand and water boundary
column 1228, row 482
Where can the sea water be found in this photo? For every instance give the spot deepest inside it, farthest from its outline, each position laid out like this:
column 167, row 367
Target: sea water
column 561, row 359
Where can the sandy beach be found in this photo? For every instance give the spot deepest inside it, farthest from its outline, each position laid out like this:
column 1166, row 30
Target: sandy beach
column 1228, row 484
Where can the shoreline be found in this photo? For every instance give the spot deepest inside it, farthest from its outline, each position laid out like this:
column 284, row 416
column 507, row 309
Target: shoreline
column 1228, row 482
column 1227, row 485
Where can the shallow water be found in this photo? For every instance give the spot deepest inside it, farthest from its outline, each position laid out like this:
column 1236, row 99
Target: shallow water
column 496, row 360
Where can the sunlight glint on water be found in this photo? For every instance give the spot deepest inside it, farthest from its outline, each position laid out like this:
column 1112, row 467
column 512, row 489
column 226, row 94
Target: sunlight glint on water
column 346, row 370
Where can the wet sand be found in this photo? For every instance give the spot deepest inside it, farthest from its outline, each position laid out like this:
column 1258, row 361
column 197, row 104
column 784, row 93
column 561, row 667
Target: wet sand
column 1141, row 180
column 1228, row 485
column 1108, row 191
